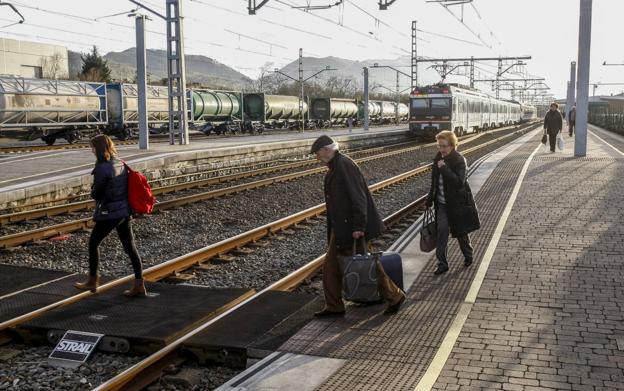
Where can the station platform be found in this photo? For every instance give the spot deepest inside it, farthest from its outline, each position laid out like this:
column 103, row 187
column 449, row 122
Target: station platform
column 539, row 309
column 40, row 177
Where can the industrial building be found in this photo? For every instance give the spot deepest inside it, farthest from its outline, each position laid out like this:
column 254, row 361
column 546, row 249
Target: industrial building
column 33, row 59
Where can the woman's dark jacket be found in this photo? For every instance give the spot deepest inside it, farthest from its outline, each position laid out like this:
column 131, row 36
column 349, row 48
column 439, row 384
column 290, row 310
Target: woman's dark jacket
column 462, row 211
column 350, row 206
column 110, row 191
column 553, row 122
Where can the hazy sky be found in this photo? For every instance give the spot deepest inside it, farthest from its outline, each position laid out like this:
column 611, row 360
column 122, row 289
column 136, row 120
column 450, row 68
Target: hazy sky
column 547, row 30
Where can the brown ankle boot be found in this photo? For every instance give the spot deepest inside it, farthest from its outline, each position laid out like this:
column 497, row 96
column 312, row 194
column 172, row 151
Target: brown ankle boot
column 91, row 284
column 138, row 289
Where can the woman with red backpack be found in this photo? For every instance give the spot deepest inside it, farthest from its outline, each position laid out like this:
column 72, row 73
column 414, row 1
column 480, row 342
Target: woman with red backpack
column 112, row 211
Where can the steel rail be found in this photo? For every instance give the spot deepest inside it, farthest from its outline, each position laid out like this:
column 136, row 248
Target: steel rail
column 185, row 261
column 81, row 205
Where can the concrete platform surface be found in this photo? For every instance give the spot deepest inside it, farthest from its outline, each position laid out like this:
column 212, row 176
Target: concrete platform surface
column 540, row 308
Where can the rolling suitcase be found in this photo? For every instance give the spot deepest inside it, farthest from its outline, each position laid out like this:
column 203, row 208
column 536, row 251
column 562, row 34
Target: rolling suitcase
column 393, row 266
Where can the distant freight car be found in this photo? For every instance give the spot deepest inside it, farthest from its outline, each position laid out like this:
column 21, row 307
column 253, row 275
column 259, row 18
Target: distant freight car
column 50, row 108
column 216, row 111
column 262, row 111
column 123, row 108
column 325, row 112
column 383, row 112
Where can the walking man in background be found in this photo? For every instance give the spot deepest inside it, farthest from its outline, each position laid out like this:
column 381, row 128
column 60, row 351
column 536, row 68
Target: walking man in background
column 350, row 124
column 571, row 120
column 351, row 215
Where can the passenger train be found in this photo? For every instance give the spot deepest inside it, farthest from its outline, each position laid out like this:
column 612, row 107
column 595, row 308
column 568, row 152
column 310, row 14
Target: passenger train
column 462, row 110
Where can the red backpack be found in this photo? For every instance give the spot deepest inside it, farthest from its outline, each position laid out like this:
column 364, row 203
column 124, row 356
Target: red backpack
column 140, row 195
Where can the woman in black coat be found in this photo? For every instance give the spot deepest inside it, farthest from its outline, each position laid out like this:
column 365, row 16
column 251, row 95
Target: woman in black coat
column 454, row 205
column 110, row 192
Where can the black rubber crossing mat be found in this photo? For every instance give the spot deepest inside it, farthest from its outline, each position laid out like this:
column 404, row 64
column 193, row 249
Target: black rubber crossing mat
column 41, row 296
column 17, row 278
column 164, row 315
column 228, row 340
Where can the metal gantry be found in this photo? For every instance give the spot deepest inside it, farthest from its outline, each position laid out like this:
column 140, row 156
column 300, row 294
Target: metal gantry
column 414, row 64
column 397, row 91
column 446, row 69
column 384, row 4
column 176, row 72
column 176, row 75
column 301, row 82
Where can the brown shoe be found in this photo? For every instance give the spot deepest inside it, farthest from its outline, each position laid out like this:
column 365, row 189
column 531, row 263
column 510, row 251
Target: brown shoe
column 394, row 308
column 325, row 313
column 138, row 289
column 91, row 284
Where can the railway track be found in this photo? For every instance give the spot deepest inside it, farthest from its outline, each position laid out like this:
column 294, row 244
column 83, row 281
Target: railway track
column 205, row 254
column 180, row 182
column 156, row 138
column 149, row 367
column 75, row 225
column 16, row 239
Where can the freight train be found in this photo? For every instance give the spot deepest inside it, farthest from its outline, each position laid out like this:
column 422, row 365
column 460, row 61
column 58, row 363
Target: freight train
column 328, row 112
column 52, row 109
column 462, row 110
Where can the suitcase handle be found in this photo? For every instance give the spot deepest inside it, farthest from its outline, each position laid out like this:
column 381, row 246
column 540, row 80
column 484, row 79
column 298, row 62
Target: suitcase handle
column 364, row 245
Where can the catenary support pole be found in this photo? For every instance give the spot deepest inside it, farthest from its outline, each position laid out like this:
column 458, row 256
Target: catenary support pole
column 366, row 98
column 582, row 86
column 141, row 82
column 570, row 97
column 301, row 116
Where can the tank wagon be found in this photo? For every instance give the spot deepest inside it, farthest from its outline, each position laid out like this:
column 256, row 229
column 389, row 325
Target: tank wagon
column 216, row 111
column 458, row 108
column 383, row 112
column 327, row 112
column 51, row 108
column 263, row 111
column 123, row 108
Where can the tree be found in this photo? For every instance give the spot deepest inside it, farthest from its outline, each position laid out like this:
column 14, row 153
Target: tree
column 52, row 66
column 95, row 67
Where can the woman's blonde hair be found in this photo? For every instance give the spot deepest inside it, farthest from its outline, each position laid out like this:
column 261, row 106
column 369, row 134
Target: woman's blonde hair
column 104, row 147
column 448, row 136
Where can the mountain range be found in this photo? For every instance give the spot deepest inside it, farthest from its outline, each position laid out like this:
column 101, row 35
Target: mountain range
column 211, row 73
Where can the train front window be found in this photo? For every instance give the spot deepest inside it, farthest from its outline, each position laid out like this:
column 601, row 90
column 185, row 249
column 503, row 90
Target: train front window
column 431, row 107
column 421, row 103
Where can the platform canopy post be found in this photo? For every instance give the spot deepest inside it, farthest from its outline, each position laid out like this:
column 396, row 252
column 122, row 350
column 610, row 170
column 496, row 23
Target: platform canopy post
column 582, row 86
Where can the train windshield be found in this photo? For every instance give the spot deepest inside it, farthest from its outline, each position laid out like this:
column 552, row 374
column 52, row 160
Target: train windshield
column 431, row 106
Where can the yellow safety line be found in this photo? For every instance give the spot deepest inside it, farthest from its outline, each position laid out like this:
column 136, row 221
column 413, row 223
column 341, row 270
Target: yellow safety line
column 443, row 353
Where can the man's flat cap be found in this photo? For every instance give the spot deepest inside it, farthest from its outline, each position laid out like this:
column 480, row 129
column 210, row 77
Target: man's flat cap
column 321, row 142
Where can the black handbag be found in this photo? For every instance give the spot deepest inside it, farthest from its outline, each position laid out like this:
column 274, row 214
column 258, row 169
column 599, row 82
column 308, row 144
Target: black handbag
column 428, row 232
column 544, row 139
column 359, row 275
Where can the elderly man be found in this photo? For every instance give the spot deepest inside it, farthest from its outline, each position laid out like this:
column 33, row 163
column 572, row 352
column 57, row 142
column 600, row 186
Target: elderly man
column 351, row 214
